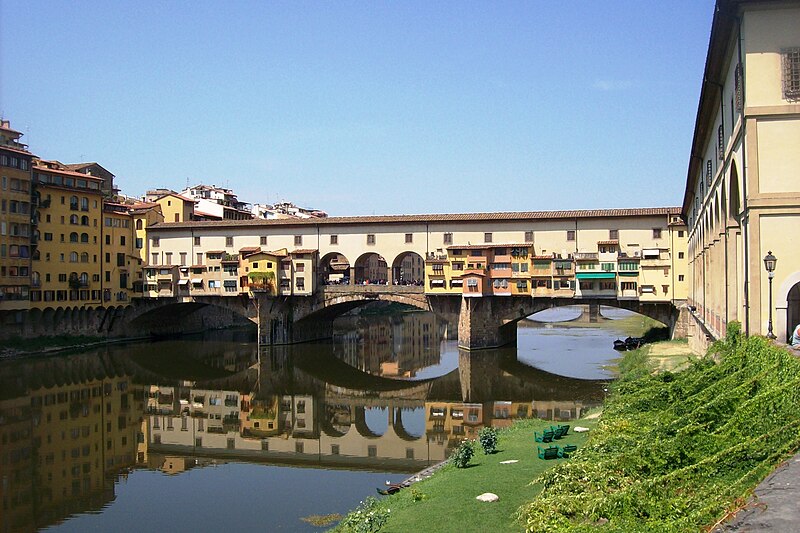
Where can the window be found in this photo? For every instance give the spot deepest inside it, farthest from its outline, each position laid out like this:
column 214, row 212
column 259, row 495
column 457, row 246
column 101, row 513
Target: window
column 301, row 284
column 334, row 239
column 680, row 277
column 183, row 258
column 790, row 61
column 680, row 233
column 199, row 258
column 139, row 243
column 168, row 258
column 156, row 242
column 155, row 258
column 197, row 241
column 528, row 236
column 487, row 237
column 228, row 242
column 447, row 238
column 298, row 240
column 656, row 233
column 613, row 234
column 262, row 240
column 371, row 239
column 680, row 255
column 121, row 259
column 570, row 234
column 409, row 238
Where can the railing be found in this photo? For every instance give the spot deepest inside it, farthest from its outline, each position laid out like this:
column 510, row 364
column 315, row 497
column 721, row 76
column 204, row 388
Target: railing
column 585, row 256
column 372, row 289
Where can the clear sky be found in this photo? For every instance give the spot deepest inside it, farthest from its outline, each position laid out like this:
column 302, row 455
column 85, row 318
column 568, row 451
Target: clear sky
column 369, row 107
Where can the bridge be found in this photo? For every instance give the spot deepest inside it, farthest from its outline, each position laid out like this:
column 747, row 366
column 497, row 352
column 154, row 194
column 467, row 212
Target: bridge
column 481, row 271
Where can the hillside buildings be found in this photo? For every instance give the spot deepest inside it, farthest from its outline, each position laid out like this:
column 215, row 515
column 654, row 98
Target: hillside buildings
column 742, row 197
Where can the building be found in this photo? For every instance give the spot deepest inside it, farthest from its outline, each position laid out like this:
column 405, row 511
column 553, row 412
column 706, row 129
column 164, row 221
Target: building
column 285, row 210
column 742, row 196
column 67, row 268
column 122, row 262
column 217, row 203
column 17, row 217
column 174, row 207
column 96, row 170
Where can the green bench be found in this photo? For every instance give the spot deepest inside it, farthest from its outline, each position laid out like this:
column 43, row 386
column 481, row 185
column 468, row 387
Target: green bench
column 546, row 436
column 551, row 452
column 559, row 431
column 567, row 450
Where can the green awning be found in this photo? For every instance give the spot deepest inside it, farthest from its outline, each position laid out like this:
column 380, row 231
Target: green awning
column 629, row 274
column 595, row 275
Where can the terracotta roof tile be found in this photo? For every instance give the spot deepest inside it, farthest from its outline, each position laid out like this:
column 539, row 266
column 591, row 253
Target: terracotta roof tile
column 406, row 219
column 612, row 241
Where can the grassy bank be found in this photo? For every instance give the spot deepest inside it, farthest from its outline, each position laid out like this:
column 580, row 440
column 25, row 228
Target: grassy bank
column 446, row 501
column 678, row 451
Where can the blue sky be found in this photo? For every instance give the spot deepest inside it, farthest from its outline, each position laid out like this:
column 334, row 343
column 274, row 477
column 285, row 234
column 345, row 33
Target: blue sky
column 362, row 108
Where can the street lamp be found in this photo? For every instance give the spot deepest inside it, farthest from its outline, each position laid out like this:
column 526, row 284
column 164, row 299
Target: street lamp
column 769, row 263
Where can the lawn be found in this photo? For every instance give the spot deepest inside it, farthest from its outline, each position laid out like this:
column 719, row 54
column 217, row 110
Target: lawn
column 446, row 501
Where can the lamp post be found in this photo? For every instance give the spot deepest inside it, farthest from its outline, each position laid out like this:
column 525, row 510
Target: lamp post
column 769, row 263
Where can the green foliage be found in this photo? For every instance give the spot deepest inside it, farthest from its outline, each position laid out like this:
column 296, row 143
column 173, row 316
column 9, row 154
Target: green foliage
column 368, row 517
column 675, row 451
column 463, row 454
column 417, row 495
column 488, row 439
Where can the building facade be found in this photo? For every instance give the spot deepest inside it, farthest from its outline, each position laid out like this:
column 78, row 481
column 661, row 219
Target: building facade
column 742, row 197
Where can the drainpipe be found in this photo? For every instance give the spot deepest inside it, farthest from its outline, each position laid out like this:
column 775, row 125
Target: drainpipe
column 744, row 186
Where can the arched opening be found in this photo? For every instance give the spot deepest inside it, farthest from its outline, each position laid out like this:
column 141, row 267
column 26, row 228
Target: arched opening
column 73, row 237
column 371, row 269
column 84, row 220
column 334, row 269
column 73, row 219
column 139, row 224
column 408, row 268
column 84, row 238
column 792, row 310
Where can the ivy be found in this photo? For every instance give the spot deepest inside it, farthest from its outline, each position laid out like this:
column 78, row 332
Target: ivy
column 677, row 451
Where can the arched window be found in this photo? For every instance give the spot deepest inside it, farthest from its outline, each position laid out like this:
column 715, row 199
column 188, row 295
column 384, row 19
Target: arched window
column 84, row 220
column 84, row 204
column 139, row 224
column 84, row 257
column 73, row 219
column 73, row 203
column 85, row 237
column 36, row 279
column 73, row 237
column 73, row 257
column 84, row 279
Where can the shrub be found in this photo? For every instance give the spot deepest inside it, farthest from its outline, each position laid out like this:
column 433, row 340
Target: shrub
column 463, row 454
column 367, row 518
column 488, row 439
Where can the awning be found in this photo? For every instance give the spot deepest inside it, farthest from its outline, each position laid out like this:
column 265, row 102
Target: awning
column 197, row 281
column 651, row 252
column 435, row 282
column 629, row 274
column 595, row 275
column 183, row 282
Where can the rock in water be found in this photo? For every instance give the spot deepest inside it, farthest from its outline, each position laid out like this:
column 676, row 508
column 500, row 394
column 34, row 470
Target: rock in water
column 488, row 497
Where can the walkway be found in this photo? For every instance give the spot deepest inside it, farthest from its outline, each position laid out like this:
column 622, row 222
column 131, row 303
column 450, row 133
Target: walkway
column 773, row 506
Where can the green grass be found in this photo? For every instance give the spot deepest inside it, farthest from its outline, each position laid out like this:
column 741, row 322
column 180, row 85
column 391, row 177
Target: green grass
column 446, row 501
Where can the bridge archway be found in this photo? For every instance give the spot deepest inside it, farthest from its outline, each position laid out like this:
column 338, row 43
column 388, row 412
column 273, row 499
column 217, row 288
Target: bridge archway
column 334, row 269
column 408, row 268
column 371, row 269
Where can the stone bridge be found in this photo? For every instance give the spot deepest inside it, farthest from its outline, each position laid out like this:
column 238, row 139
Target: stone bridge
column 484, row 322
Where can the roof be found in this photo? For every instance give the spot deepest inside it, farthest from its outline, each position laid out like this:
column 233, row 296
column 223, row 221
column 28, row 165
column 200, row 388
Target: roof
column 81, row 166
column 304, row 251
column 425, row 218
column 610, row 241
column 487, row 245
column 249, row 250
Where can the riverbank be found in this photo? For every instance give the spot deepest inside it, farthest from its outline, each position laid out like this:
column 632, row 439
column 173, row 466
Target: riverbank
column 19, row 348
column 446, row 501
column 681, row 444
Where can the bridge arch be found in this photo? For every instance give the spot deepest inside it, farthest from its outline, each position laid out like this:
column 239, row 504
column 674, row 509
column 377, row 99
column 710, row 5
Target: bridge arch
column 370, row 268
column 408, row 268
column 334, row 269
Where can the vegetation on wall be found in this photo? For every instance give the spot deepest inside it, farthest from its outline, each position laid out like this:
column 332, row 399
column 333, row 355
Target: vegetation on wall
column 678, row 451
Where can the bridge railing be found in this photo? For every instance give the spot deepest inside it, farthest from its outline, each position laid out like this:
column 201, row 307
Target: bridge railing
column 332, row 290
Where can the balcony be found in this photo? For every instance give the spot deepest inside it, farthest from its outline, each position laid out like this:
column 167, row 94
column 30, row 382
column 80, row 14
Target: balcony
column 586, row 256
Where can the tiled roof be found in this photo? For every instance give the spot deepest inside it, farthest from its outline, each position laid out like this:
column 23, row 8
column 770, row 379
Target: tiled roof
column 487, row 245
column 612, row 241
column 406, row 219
column 304, row 251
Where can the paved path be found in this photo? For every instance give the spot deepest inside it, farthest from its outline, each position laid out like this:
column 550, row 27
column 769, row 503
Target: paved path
column 775, row 505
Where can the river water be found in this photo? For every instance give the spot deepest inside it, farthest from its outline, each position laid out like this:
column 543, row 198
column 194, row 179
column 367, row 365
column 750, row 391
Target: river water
column 213, row 432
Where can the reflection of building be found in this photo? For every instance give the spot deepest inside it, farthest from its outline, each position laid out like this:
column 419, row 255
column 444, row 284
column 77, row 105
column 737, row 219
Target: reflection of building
column 60, row 443
column 394, row 346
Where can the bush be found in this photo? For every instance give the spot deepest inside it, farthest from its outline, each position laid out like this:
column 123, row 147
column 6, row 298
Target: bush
column 367, row 518
column 488, row 439
column 463, row 454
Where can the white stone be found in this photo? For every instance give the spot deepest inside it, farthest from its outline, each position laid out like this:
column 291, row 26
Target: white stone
column 488, row 497
column 580, row 429
column 510, row 461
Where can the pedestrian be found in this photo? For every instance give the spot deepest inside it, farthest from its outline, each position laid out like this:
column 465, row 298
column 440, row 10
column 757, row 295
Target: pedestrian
column 796, row 337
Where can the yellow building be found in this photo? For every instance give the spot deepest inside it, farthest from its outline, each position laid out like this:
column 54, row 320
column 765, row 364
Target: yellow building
column 16, row 211
column 67, row 267
column 259, row 272
column 175, row 207
column 144, row 215
column 122, row 264
column 742, row 196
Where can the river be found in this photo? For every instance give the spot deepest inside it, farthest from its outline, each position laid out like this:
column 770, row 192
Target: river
column 213, row 432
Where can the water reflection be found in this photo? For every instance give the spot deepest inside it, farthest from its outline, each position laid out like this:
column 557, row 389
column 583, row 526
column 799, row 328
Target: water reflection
column 390, row 395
